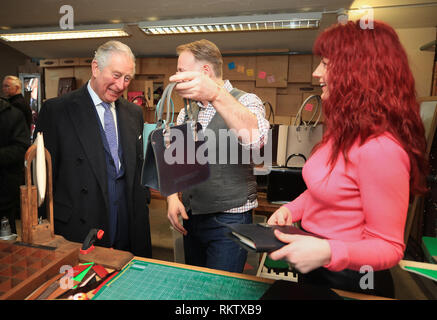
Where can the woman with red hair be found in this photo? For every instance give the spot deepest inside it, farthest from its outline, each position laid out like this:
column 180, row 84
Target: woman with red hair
column 360, row 176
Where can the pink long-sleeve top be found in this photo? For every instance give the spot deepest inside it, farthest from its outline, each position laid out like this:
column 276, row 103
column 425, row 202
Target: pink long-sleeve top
column 360, row 208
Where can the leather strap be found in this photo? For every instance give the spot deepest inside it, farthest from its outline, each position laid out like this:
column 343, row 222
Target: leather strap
column 299, row 113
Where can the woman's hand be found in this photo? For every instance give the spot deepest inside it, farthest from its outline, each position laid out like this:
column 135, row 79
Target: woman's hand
column 281, row 217
column 305, row 253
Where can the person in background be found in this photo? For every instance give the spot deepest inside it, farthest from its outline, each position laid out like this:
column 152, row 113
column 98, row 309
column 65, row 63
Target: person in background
column 94, row 137
column 229, row 195
column 14, row 142
column 361, row 175
column 32, row 87
column 12, row 89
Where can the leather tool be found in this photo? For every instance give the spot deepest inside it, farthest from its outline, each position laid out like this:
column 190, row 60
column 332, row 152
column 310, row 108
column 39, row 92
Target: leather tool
column 88, row 244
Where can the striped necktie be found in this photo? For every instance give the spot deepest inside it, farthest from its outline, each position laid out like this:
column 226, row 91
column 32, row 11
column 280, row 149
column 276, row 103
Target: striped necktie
column 111, row 133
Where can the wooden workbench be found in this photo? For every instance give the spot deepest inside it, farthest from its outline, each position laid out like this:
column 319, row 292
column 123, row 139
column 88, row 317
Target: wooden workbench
column 344, row 294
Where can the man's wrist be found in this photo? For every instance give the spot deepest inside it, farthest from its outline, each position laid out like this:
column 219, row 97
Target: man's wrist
column 172, row 196
column 216, row 94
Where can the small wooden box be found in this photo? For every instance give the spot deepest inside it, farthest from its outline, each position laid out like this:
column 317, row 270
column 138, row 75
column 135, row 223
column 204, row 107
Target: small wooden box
column 69, row 62
column 49, row 63
column 85, row 61
column 23, row 268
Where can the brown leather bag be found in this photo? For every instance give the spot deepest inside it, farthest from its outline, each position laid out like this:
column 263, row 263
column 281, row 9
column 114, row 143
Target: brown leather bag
column 66, row 85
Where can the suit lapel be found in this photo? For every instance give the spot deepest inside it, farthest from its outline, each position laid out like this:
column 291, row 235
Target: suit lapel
column 128, row 138
column 83, row 114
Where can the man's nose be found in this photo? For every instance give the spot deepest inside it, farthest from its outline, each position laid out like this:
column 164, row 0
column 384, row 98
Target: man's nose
column 121, row 84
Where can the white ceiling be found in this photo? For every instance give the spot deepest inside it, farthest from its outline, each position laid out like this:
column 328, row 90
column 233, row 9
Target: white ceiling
column 18, row 14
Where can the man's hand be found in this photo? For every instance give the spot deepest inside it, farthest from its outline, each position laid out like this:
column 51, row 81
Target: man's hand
column 195, row 86
column 176, row 208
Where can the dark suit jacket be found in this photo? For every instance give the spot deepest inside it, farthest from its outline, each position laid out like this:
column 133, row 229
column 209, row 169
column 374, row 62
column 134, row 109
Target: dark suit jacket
column 19, row 102
column 14, row 141
column 71, row 134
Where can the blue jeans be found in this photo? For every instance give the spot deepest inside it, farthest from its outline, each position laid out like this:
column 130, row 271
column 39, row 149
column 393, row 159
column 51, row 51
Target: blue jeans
column 206, row 244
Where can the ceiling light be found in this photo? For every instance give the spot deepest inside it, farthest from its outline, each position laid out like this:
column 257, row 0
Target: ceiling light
column 92, row 32
column 230, row 24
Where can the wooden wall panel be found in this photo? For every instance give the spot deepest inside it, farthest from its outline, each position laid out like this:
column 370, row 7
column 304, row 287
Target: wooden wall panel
column 239, row 68
column 271, row 71
column 300, row 68
column 288, row 105
column 82, row 75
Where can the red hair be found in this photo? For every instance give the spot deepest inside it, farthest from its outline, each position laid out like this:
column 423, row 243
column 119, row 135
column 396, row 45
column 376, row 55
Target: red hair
column 371, row 91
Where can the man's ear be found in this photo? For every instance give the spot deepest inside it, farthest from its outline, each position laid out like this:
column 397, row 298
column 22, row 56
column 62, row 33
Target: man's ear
column 207, row 69
column 95, row 68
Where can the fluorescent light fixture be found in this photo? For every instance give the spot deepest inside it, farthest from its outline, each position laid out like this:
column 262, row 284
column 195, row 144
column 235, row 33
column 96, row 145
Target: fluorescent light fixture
column 105, row 31
column 304, row 20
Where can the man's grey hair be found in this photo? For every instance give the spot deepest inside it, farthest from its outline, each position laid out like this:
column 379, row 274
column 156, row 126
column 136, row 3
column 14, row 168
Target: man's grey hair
column 15, row 80
column 104, row 52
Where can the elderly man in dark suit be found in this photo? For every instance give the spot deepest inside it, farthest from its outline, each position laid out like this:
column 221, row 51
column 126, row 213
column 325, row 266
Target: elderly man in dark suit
column 14, row 141
column 95, row 139
column 12, row 90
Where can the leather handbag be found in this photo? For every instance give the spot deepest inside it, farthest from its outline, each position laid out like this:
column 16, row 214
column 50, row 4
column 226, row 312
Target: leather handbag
column 170, row 163
column 304, row 135
column 285, row 184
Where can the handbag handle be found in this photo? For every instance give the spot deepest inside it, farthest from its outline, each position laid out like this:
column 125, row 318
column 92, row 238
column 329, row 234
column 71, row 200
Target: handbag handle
column 299, row 113
column 272, row 114
column 294, row 155
column 166, row 98
column 159, row 106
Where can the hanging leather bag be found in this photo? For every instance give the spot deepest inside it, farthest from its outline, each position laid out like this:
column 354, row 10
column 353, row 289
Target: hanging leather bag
column 285, row 184
column 170, row 164
column 304, row 135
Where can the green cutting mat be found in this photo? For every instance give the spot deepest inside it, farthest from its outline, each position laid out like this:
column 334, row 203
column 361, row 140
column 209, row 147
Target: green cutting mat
column 430, row 274
column 429, row 245
column 141, row 280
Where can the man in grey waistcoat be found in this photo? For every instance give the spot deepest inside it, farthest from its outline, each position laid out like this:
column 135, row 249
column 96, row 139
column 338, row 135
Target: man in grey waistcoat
column 229, row 195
